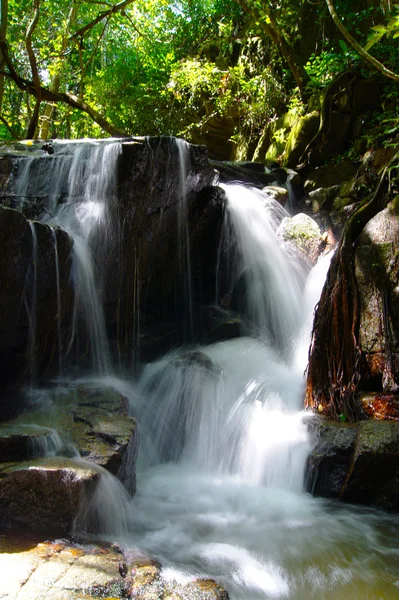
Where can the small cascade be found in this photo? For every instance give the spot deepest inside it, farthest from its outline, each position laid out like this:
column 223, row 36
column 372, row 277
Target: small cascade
column 32, row 307
column 44, row 442
column 184, row 240
column 267, row 283
column 103, row 512
column 59, row 314
column 77, row 191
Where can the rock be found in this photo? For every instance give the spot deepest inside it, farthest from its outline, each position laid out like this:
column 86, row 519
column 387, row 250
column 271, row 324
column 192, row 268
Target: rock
column 377, row 405
column 27, row 279
column 299, row 137
column 19, row 441
column 60, row 570
column 304, row 233
column 377, row 275
column 374, row 477
column 329, row 462
column 146, row 583
column 356, row 463
column 44, row 495
column 278, row 194
column 330, row 175
column 95, row 421
column 63, row 570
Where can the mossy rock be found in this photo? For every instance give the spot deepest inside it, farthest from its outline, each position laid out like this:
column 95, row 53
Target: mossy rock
column 301, row 134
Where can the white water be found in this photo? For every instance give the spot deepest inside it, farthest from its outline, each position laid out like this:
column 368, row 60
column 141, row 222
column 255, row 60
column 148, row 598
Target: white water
column 80, row 181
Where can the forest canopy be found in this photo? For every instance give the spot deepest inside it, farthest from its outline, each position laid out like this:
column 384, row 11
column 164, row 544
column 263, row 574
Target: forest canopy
column 93, row 68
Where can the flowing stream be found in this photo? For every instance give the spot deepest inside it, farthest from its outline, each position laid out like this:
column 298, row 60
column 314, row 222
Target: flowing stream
column 220, row 489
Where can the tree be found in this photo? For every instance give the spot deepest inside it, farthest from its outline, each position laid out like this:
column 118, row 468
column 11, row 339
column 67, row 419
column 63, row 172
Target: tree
column 373, row 62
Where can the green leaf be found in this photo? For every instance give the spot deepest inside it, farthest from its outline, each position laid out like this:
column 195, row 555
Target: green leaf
column 343, row 46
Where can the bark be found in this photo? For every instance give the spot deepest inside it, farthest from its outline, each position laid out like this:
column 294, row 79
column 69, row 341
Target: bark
column 335, row 354
column 361, row 51
column 3, row 35
column 35, row 71
column 56, row 80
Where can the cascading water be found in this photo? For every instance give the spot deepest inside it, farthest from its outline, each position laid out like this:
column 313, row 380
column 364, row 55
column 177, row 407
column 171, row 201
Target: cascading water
column 80, row 185
column 223, row 442
column 224, row 446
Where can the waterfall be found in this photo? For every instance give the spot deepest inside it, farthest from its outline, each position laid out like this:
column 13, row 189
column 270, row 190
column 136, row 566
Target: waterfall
column 76, row 187
column 32, row 307
column 223, row 440
column 184, row 240
column 233, row 407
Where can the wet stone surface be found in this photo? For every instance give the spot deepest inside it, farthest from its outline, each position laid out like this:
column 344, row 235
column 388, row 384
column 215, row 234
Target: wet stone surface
column 62, row 570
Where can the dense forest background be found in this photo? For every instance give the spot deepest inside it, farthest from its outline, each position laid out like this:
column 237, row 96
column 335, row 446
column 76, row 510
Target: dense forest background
column 207, row 70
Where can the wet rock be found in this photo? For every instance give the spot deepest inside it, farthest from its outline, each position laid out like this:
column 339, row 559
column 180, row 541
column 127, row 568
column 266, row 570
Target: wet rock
column 146, row 583
column 28, row 284
column 19, row 441
column 330, row 175
column 374, row 476
column 92, row 421
column 59, row 570
column 304, row 234
column 43, row 495
column 329, row 462
column 356, row 463
column 278, row 194
column 377, row 275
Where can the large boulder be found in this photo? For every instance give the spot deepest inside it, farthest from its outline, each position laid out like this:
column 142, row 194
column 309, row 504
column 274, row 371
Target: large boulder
column 356, row 463
column 302, row 234
column 377, row 275
column 44, row 495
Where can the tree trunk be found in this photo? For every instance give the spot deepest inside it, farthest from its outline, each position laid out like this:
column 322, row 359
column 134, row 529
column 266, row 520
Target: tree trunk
column 3, row 35
column 335, row 354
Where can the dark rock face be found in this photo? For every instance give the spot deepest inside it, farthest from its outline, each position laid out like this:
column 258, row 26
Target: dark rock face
column 28, row 293
column 164, row 222
column 357, row 463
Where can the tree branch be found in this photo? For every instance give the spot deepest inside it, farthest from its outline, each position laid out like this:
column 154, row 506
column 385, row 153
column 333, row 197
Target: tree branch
column 368, row 58
column 102, row 15
column 65, row 97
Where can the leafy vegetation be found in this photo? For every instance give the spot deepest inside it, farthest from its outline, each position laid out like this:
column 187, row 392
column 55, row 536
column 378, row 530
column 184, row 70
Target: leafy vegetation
column 75, row 68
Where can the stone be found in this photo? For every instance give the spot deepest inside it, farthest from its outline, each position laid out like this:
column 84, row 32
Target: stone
column 299, row 137
column 59, row 570
column 357, row 463
column 302, row 232
column 18, row 294
column 330, row 175
column 43, row 495
column 333, row 445
column 95, row 421
column 19, row 441
column 377, row 276
column 278, row 194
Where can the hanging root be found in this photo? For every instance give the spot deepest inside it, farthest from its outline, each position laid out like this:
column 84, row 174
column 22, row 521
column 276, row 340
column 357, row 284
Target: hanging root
column 334, row 369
